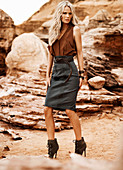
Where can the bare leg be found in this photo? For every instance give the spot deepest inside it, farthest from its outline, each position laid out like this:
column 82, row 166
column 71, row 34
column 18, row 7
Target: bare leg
column 74, row 119
column 49, row 122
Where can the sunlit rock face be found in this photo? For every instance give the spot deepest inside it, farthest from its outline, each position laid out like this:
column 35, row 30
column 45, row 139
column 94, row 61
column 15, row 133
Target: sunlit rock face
column 23, row 90
column 82, row 9
column 38, row 18
column 102, row 47
column 43, row 31
column 97, row 82
column 7, row 33
column 27, row 54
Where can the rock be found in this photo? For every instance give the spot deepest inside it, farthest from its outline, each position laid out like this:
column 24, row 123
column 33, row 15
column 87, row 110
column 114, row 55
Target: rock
column 97, row 82
column 102, row 15
column 108, row 116
column 47, row 24
column 6, row 148
column 121, row 119
column 88, row 108
column 102, row 50
column 102, row 34
column 24, row 107
column 25, row 95
column 1, row 147
column 43, row 31
column 7, row 34
column 90, row 164
column 106, row 99
column 23, row 90
column 119, row 18
column 82, row 9
column 102, row 47
column 30, row 162
column 118, row 72
column 100, row 19
column 15, row 135
column 27, row 55
column 84, row 24
column 77, row 162
column 7, row 93
column 28, row 26
column 38, row 18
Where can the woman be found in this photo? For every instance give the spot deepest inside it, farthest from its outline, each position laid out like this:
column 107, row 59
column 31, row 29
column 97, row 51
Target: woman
column 65, row 81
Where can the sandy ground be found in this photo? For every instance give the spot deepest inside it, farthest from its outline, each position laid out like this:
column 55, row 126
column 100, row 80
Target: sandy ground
column 102, row 137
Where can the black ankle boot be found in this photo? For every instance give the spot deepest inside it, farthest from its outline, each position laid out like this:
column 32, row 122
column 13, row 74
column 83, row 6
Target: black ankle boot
column 52, row 148
column 80, row 147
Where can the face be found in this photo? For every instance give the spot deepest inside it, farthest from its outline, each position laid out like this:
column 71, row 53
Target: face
column 66, row 15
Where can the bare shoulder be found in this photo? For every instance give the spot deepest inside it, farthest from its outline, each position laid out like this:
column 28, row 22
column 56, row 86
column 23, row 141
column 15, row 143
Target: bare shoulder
column 76, row 31
column 76, row 28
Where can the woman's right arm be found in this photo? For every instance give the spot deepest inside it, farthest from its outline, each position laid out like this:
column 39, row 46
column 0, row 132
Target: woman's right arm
column 49, row 67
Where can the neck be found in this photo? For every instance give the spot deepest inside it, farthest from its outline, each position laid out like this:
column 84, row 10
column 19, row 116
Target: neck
column 64, row 26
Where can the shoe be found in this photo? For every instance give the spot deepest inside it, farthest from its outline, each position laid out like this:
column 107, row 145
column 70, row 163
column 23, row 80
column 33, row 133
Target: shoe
column 80, row 147
column 52, row 148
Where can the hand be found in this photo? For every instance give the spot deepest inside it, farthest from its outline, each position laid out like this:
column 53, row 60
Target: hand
column 80, row 83
column 47, row 82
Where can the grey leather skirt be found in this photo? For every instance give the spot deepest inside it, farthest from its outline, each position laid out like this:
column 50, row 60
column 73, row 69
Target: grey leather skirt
column 63, row 89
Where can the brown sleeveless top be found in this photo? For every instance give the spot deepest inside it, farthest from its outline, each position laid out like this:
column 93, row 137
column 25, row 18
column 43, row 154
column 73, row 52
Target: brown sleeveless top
column 65, row 46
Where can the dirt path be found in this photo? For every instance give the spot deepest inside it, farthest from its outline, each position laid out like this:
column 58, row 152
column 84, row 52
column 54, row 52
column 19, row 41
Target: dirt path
column 102, row 137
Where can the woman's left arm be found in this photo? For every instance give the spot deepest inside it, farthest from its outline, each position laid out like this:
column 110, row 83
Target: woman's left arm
column 78, row 40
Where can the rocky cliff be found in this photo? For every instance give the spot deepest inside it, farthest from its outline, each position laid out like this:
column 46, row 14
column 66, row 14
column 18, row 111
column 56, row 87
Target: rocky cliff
column 102, row 36
column 23, row 89
column 102, row 46
column 7, row 34
column 82, row 9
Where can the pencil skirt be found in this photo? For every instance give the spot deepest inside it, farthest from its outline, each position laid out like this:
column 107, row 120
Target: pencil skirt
column 61, row 95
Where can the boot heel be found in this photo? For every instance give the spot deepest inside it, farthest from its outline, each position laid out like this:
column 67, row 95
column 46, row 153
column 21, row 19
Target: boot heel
column 55, row 155
column 85, row 152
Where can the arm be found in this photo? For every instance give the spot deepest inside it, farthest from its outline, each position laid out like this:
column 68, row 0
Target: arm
column 49, row 67
column 77, row 37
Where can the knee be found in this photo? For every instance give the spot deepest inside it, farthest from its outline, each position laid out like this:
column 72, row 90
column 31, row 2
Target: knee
column 47, row 111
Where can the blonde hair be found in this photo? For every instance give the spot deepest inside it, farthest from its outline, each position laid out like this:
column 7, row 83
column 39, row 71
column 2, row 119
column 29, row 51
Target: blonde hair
column 54, row 30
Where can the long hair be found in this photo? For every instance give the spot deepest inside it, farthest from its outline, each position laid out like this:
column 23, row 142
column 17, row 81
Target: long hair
column 54, row 30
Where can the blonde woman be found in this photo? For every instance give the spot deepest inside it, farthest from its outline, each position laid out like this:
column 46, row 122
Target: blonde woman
column 65, row 81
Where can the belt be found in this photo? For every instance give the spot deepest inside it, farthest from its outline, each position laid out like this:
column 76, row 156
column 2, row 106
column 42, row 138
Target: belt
column 65, row 60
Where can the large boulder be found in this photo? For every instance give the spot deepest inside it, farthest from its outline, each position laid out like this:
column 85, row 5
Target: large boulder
column 27, row 55
column 7, row 34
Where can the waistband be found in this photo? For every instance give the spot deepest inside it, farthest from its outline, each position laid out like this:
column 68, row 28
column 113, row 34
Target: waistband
column 63, row 59
column 64, row 56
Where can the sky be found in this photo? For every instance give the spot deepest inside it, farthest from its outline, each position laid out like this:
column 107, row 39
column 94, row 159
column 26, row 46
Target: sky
column 21, row 10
